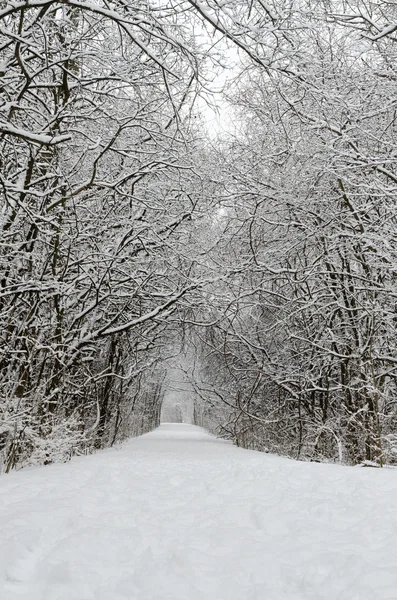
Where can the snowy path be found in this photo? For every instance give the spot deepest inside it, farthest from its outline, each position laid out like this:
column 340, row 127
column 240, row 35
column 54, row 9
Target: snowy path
column 179, row 515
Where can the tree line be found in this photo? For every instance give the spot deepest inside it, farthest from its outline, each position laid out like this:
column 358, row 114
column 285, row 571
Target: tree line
column 129, row 234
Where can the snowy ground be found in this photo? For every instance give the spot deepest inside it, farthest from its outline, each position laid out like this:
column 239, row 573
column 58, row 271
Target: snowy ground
column 179, row 515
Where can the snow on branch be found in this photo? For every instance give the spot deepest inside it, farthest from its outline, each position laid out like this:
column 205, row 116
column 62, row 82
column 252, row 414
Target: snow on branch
column 29, row 136
column 386, row 31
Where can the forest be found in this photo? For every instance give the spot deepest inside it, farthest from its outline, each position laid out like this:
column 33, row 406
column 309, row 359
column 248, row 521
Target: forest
column 210, row 183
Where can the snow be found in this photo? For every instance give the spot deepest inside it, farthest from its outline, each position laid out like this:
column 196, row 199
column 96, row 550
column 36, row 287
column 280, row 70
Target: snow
column 177, row 514
column 40, row 138
column 389, row 29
